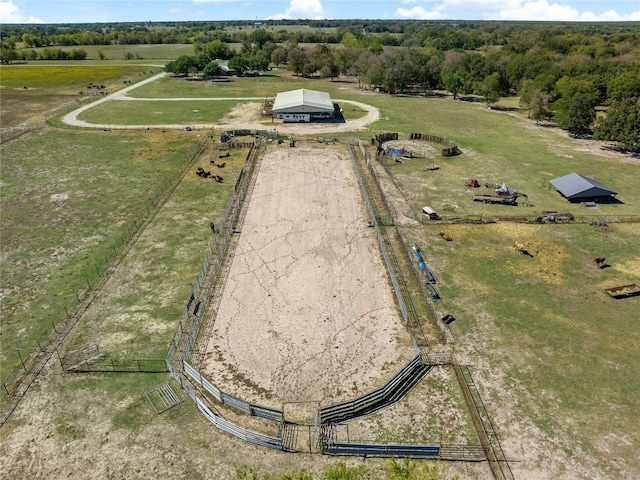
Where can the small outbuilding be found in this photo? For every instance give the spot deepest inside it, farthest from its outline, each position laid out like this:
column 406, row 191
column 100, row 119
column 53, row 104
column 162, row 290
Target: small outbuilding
column 303, row 105
column 576, row 188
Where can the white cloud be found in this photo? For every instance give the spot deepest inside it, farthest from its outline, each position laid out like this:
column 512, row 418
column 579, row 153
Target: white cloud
column 537, row 10
column 544, row 11
column 9, row 13
column 541, row 10
column 419, row 13
column 301, row 9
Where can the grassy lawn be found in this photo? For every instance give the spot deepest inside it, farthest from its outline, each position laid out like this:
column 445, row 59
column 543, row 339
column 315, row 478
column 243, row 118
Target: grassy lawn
column 70, row 199
column 158, row 112
column 566, row 352
column 264, row 86
column 525, row 159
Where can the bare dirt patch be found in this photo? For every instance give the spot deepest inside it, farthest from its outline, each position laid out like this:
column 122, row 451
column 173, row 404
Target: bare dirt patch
column 307, row 313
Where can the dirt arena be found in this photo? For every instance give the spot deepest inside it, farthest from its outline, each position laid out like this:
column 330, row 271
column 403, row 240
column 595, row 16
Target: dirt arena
column 308, row 312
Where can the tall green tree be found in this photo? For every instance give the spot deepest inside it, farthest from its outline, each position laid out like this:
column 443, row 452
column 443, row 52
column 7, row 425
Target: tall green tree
column 624, row 86
column 621, row 124
column 490, row 88
column 260, row 37
column 539, row 105
column 278, row 56
column 575, row 109
column 297, row 60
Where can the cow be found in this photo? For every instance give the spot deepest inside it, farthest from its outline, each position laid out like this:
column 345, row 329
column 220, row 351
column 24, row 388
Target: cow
column 446, row 237
column 599, row 262
column 222, row 165
column 520, row 247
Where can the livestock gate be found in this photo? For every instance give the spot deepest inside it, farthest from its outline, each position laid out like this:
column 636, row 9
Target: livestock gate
column 318, row 428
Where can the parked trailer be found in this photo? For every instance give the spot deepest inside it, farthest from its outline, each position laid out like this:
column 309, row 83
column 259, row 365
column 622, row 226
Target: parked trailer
column 503, row 200
column 431, row 213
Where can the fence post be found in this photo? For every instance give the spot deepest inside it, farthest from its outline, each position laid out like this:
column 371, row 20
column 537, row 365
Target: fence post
column 21, row 360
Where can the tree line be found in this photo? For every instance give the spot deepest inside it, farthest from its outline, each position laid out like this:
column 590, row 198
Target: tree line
column 559, row 71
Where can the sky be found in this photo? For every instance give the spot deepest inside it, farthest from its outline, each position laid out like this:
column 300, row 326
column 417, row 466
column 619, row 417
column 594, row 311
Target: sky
column 106, row 11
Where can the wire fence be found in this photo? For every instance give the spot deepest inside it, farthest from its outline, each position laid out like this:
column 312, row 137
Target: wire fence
column 33, row 359
column 594, row 220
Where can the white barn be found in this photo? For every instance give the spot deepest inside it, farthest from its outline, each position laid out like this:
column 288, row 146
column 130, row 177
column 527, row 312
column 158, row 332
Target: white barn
column 303, row 105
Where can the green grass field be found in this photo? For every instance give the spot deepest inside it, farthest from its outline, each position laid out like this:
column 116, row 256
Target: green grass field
column 159, row 112
column 553, row 356
column 70, row 201
column 34, row 92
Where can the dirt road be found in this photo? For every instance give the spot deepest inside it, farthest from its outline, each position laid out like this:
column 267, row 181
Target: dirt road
column 246, row 117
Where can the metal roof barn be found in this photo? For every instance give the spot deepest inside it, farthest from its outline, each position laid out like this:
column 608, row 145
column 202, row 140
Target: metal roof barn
column 303, row 101
column 575, row 186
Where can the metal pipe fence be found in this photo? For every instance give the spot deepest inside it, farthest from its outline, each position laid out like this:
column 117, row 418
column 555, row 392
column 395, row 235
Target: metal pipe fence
column 155, row 365
column 250, row 436
column 381, row 242
column 393, row 391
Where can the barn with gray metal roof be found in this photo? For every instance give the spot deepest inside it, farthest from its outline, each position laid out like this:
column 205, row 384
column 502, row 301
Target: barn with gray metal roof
column 303, row 105
column 578, row 187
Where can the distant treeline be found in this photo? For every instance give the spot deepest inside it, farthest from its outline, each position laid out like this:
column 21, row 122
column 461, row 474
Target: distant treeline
column 442, row 35
column 560, row 71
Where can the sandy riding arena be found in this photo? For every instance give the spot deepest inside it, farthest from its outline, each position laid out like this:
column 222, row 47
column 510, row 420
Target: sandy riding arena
column 307, row 313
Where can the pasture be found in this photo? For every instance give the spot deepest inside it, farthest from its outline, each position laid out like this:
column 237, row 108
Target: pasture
column 29, row 95
column 552, row 355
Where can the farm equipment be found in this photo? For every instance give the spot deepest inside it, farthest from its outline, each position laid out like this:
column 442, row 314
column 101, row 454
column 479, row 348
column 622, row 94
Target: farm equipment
column 555, row 217
column 500, row 199
column 400, row 152
column 421, row 263
column 623, row 291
